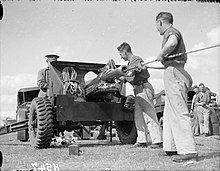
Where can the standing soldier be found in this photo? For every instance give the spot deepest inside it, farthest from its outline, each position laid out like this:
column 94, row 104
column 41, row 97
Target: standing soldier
column 193, row 111
column 145, row 114
column 203, row 101
column 177, row 130
column 43, row 76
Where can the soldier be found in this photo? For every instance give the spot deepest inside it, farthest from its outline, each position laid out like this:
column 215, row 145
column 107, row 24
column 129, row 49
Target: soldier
column 193, row 111
column 43, row 76
column 145, row 114
column 203, row 102
column 177, row 131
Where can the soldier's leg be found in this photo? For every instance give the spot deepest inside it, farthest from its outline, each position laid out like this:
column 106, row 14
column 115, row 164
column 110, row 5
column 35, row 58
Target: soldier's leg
column 154, row 129
column 102, row 129
column 150, row 115
column 176, row 83
column 200, row 118
column 168, row 141
column 206, row 120
column 196, row 123
column 140, row 123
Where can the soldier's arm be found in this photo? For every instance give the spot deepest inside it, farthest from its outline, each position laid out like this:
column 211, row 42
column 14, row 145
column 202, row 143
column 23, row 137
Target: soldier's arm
column 168, row 47
column 193, row 103
column 137, row 62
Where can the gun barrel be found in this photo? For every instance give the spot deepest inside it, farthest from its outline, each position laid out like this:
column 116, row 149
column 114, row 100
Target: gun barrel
column 14, row 127
column 113, row 74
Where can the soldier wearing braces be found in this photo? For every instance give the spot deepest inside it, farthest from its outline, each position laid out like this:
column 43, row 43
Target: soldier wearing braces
column 145, row 114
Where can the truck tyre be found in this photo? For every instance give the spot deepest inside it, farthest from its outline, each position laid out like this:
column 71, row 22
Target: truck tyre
column 41, row 121
column 127, row 132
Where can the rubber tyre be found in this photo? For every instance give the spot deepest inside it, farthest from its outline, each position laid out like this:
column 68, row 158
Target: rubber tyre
column 127, row 132
column 41, row 121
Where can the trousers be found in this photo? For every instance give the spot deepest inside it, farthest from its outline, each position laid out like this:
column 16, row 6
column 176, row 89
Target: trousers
column 195, row 122
column 177, row 127
column 145, row 115
column 204, row 118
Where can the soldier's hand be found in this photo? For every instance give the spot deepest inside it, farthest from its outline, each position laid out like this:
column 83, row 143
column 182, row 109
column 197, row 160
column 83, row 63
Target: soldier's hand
column 45, row 86
column 141, row 67
column 160, row 58
column 122, row 79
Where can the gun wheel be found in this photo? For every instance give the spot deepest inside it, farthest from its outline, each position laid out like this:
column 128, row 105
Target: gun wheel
column 41, row 125
column 127, row 132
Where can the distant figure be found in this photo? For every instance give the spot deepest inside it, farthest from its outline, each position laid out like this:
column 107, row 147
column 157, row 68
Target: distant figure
column 195, row 120
column 203, row 102
column 145, row 115
column 177, row 129
column 43, row 76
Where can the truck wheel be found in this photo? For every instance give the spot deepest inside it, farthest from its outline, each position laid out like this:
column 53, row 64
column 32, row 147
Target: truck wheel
column 127, row 132
column 41, row 125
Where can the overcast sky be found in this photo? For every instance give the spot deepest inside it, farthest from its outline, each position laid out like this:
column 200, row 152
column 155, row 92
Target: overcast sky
column 91, row 32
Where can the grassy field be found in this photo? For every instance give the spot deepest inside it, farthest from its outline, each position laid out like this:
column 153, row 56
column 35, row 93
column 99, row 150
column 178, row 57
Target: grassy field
column 104, row 155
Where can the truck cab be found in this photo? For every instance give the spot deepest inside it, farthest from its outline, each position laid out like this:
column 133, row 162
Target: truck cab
column 24, row 98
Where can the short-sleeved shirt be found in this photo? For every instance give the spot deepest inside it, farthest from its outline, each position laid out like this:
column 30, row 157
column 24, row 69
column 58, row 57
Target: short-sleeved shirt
column 180, row 47
column 143, row 75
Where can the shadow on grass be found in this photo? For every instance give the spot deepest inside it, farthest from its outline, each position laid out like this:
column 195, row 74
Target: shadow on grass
column 100, row 143
column 92, row 143
column 209, row 155
column 15, row 144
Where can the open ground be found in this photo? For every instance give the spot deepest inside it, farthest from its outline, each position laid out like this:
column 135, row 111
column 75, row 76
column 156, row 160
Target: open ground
column 104, row 155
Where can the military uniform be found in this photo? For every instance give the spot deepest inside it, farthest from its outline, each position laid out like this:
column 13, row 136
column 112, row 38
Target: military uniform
column 195, row 119
column 177, row 129
column 43, row 81
column 43, row 77
column 145, row 114
column 204, row 111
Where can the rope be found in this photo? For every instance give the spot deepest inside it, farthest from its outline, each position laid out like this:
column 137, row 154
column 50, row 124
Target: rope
column 173, row 56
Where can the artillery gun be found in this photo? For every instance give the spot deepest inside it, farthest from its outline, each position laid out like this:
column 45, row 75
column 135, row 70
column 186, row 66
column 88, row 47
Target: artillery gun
column 39, row 119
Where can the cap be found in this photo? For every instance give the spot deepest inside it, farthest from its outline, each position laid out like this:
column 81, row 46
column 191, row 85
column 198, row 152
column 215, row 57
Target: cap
column 52, row 56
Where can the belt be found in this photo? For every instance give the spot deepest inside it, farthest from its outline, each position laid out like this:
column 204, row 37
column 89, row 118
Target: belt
column 138, row 83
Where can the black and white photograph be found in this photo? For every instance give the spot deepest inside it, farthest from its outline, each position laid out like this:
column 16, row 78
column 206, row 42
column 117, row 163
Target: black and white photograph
column 109, row 85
